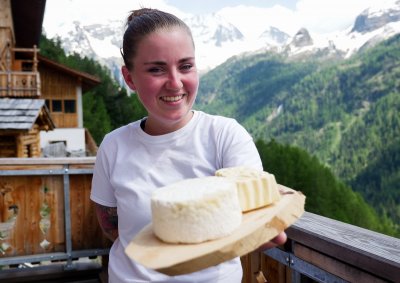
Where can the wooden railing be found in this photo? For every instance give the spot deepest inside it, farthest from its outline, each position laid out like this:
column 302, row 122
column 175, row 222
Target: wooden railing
column 327, row 250
column 46, row 215
column 19, row 84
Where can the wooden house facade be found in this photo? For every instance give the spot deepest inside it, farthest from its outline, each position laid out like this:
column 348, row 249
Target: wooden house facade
column 26, row 75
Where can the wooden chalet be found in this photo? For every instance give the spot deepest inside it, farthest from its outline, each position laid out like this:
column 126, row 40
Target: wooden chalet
column 21, row 120
column 25, row 75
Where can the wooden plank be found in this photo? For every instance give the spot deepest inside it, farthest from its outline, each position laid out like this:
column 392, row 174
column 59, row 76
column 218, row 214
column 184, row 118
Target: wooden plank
column 56, row 185
column 45, row 161
column 272, row 270
column 31, row 167
column 33, row 206
column 52, row 213
column 373, row 252
column 77, row 211
column 8, row 200
column 246, row 263
column 86, row 232
column 255, row 267
column 331, row 265
column 87, row 237
column 90, row 239
column 275, row 271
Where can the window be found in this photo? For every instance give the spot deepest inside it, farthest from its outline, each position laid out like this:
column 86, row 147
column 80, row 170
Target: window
column 69, row 106
column 56, row 106
column 61, row 106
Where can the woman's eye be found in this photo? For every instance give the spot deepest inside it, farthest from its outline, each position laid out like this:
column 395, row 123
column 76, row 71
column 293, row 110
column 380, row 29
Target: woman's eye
column 155, row 70
column 186, row 67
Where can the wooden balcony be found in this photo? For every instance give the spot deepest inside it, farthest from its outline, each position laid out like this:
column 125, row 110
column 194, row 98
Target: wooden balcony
column 47, row 224
column 19, row 76
column 19, row 84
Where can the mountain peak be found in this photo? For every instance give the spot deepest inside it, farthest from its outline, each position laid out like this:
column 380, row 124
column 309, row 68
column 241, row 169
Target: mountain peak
column 376, row 17
column 213, row 29
column 274, row 35
column 302, row 38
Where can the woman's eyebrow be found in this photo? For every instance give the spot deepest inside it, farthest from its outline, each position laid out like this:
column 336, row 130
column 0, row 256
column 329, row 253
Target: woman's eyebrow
column 155, row 63
column 162, row 63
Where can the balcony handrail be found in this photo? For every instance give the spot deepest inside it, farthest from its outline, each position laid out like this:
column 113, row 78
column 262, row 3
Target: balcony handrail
column 320, row 247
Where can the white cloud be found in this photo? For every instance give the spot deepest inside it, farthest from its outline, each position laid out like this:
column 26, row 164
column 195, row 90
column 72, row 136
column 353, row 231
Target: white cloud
column 252, row 21
column 325, row 16
column 94, row 11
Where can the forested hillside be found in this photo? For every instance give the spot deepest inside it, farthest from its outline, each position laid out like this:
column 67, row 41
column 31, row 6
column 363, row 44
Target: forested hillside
column 325, row 194
column 346, row 113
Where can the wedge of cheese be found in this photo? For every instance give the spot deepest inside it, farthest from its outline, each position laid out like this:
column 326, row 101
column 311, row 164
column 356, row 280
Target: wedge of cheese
column 256, row 188
column 196, row 210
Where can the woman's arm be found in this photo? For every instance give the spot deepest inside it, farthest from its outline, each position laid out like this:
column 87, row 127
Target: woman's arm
column 108, row 220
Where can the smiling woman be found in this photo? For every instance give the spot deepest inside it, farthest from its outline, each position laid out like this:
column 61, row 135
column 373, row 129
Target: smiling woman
column 173, row 143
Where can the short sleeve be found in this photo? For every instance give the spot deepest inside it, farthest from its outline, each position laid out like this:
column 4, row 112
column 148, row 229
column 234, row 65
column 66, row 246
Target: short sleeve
column 102, row 190
column 238, row 147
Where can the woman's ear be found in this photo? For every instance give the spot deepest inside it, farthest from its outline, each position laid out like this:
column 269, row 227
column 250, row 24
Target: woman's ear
column 127, row 77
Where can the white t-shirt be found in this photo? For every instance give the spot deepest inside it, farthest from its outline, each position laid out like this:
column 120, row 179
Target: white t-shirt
column 131, row 164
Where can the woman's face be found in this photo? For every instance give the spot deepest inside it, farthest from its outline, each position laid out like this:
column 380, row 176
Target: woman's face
column 165, row 77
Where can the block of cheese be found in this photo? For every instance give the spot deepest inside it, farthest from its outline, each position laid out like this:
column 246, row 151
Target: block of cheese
column 196, row 210
column 255, row 188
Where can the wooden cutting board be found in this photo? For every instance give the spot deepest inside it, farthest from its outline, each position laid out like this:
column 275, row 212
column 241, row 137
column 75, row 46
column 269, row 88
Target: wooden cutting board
column 258, row 227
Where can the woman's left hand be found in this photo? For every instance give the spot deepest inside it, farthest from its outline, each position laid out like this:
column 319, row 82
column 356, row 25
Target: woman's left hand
column 280, row 239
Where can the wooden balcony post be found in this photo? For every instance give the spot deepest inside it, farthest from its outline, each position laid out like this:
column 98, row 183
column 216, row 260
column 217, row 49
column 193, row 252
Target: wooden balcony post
column 35, row 60
column 8, row 68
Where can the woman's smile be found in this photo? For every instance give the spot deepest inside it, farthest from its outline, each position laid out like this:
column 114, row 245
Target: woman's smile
column 174, row 98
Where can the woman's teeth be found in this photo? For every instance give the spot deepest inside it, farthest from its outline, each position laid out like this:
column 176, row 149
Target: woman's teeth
column 172, row 98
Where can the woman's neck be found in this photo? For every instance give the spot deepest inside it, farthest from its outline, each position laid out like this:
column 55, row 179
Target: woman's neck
column 151, row 127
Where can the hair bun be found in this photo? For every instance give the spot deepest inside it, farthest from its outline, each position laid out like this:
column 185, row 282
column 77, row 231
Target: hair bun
column 138, row 13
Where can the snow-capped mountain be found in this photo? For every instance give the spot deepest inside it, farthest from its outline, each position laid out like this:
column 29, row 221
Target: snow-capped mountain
column 377, row 17
column 217, row 39
column 274, row 36
column 213, row 30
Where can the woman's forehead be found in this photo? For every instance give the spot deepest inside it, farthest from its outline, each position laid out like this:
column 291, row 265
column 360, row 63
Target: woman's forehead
column 166, row 40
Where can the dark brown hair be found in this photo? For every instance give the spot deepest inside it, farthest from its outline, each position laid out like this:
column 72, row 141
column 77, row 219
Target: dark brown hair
column 141, row 23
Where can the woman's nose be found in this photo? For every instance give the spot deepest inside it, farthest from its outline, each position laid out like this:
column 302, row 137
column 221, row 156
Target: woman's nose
column 174, row 81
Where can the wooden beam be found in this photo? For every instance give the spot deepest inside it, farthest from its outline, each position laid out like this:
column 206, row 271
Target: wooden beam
column 336, row 267
column 370, row 251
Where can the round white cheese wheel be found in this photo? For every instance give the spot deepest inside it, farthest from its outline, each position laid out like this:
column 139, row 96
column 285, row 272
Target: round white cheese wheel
column 196, row 210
